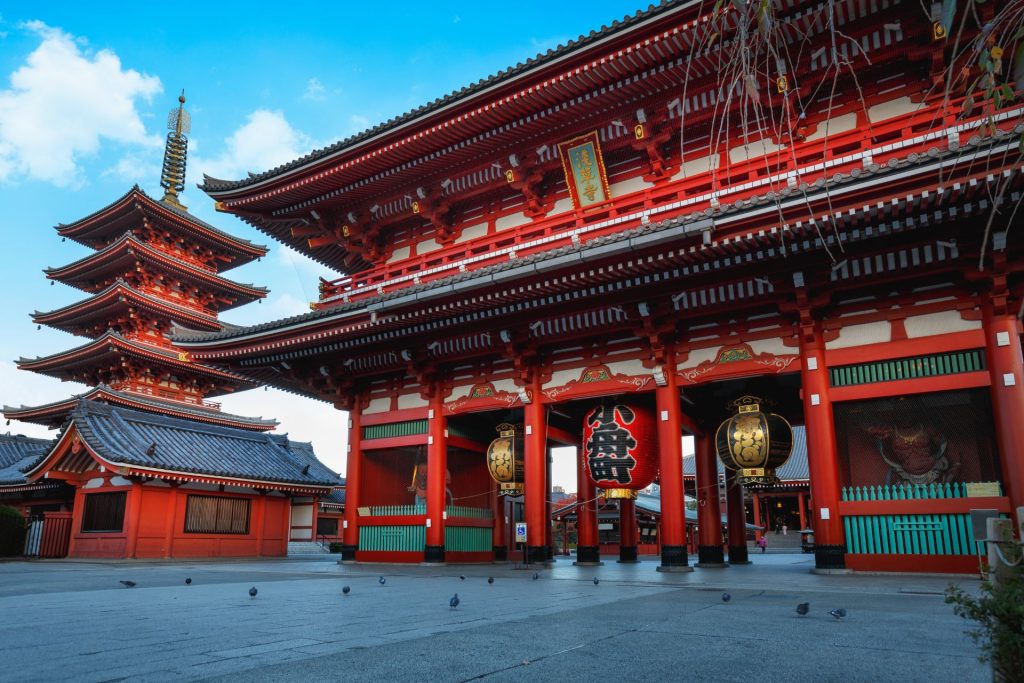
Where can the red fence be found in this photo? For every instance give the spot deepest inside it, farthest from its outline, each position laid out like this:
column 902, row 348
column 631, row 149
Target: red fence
column 56, row 534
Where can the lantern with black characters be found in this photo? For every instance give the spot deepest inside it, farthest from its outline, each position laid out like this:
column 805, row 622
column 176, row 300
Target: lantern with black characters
column 754, row 443
column 619, row 453
column 505, row 459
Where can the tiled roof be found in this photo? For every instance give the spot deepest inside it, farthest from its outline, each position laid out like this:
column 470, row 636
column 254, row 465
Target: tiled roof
column 216, row 185
column 147, row 441
column 336, row 497
column 18, row 453
column 795, row 469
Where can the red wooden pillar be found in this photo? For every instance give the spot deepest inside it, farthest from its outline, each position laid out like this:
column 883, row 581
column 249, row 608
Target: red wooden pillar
column 670, row 434
column 259, row 520
column 132, row 513
column 499, row 542
column 822, row 453
column 77, row 508
column 535, row 467
column 709, row 512
column 737, row 519
column 628, row 535
column 316, row 514
column 588, row 548
column 350, row 522
column 756, row 504
column 803, row 511
column 172, row 513
column 437, row 471
column 1006, row 368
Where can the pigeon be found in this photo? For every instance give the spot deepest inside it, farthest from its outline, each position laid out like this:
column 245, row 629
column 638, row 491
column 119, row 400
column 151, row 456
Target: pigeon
column 128, row 584
column 490, row 579
column 188, row 581
column 838, row 613
column 381, row 581
column 305, row 470
column 462, row 578
column 596, row 581
column 803, row 608
column 454, row 602
column 536, row 576
column 252, row 592
column 151, row 450
column 346, row 590
column 726, row 597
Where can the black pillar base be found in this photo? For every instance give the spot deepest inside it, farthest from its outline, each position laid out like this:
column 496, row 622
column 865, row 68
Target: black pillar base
column 550, row 553
column 348, row 553
column 627, row 553
column 673, row 559
column 536, row 554
column 500, row 553
column 588, row 554
column 434, row 554
column 829, row 557
column 738, row 554
column 710, row 556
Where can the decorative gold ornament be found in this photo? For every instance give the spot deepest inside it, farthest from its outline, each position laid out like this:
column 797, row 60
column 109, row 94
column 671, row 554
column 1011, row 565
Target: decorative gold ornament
column 938, row 31
column 505, row 459
column 510, row 176
column 621, row 494
column 754, row 443
column 639, row 132
column 415, row 207
column 172, row 176
column 782, row 84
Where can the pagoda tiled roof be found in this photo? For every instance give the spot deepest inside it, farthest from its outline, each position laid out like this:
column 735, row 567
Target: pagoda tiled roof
column 19, row 453
column 113, row 343
column 99, row 305
column 155, row 445
column 520, row 69
column 54, row 414
column 84, row 271
column 95, row 229
column 794, row 470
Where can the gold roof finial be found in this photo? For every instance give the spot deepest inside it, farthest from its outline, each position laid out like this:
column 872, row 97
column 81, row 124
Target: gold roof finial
column 172, row 177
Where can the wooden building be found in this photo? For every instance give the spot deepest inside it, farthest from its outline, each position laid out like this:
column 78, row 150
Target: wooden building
column 690, row 205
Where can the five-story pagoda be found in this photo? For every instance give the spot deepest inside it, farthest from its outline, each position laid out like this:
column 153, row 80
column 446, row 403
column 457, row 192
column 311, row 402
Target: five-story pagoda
column 154, row 266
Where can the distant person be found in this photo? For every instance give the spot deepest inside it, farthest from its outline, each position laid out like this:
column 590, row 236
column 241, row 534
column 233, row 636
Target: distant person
column 785, row 529
column 762, row 544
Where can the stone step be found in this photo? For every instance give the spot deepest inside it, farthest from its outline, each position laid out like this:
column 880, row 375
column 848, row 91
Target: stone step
column 305, row 548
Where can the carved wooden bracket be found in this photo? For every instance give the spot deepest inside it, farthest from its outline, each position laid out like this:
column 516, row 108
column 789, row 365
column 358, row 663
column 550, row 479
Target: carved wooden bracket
column 437, row 210
column 652, row 138
column 530, row 181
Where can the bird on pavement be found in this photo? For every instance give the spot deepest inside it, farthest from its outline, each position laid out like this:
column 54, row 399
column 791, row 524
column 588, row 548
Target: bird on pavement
column 596, row 581
column 454, row 602
column 252, row 592
column 726, row 597
column 838, row 613
column 188, row 581
column 462, row 578
column 490, row 579
column 381, row 581
column 803, row 608
column 345, row 590
column 128, row 584
column 536, row 576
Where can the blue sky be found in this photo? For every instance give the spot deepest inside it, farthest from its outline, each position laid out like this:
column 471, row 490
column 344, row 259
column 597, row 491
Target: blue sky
column 84, row 96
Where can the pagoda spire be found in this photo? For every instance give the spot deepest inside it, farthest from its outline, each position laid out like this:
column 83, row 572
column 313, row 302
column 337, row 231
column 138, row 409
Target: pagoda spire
column 172, row 177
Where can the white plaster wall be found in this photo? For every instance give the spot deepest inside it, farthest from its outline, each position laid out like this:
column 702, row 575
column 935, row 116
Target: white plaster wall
column 697, row 166
column 302, row 515
column 753, row 150
column 628, row 367
column 562, row 205
column 411, row 401
column 836, row 125
column 634, row 184
column 398, row 254
column 859, row 335
column 427, row 246
column 560, row 377
column 938, row 323
column 472, row 232
column 93, row 484
column 698, row 356
column 120, row 481
column 773, row 346
column 901, row 106
column 511, row 221
column 378, row 405
column 505, row 385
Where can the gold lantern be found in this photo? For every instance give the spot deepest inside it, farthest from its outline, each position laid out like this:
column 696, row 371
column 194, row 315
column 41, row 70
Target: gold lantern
column 505, row 459
column 754, row 443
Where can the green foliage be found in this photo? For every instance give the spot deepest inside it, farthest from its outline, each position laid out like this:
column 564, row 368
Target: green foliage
column 999, row 615
column 12, row 532
column 335, row 547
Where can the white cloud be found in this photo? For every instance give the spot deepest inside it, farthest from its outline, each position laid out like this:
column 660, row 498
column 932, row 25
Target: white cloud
column 357, row 123
column 314, row 90
column 63, row 104
column 264, row 141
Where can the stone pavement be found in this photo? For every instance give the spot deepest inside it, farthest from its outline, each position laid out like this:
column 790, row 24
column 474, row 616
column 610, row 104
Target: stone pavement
column 74, row 621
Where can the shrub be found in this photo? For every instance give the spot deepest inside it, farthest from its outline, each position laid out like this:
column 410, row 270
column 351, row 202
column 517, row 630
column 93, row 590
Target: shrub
column 12, row 532
column 999, row 614
column 335, row 547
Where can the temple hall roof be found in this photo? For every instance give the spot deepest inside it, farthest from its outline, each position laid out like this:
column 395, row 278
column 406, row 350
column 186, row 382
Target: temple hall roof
column 794, row 470
column 19, row 453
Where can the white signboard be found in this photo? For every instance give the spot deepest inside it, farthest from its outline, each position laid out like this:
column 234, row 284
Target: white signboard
column 520, row 532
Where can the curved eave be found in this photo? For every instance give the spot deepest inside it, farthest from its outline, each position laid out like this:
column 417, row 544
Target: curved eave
column 105, row 303
column 91, row 230
column 112, row 343
column 54, row 414
column 79, row 273
column 385, row 136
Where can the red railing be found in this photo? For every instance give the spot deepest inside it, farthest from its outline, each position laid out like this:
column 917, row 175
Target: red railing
column 56, row 534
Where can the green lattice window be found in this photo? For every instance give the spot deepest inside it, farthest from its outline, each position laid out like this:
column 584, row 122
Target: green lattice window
column 951, row 363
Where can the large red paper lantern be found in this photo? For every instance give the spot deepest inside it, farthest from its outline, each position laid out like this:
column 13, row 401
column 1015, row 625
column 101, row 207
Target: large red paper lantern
column 619, row 452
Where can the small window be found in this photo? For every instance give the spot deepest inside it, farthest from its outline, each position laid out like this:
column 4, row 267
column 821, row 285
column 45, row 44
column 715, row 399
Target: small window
column 104, row 512
column 326, row 526
column 216, row 515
